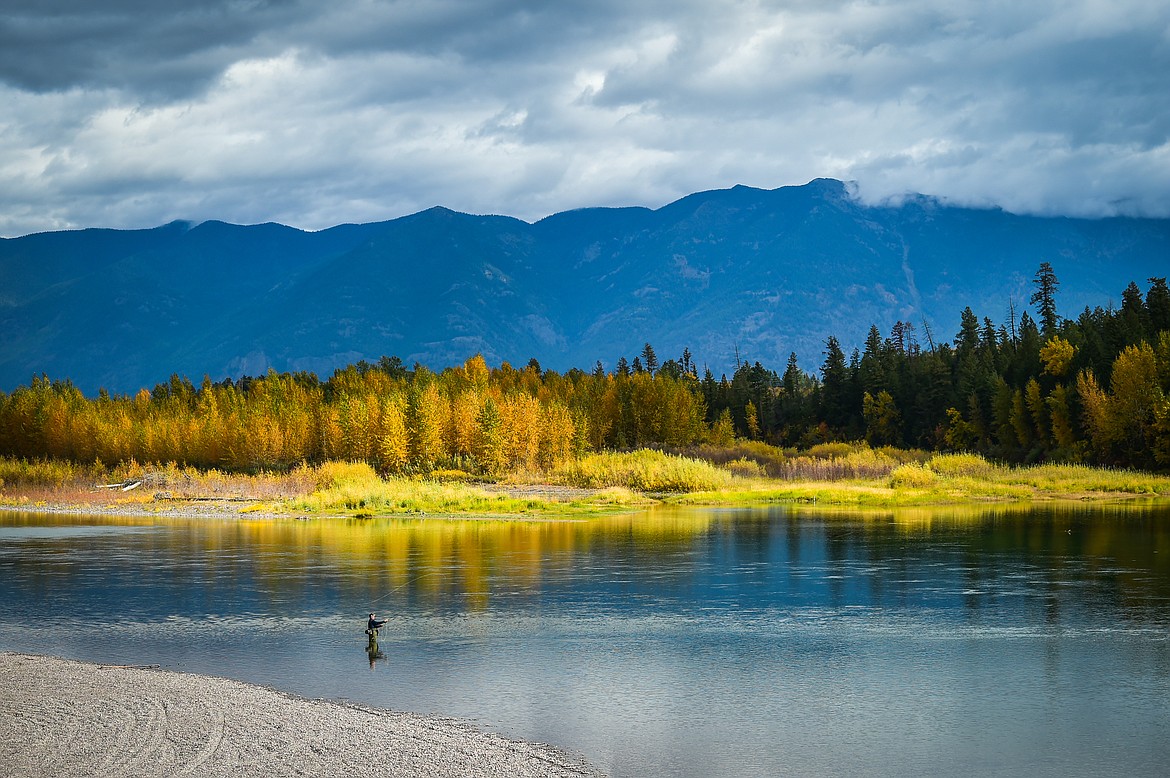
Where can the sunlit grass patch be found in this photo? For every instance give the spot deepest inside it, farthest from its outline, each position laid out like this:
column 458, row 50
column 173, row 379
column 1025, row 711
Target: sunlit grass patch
column 1071, row 479
column 837, row 493
column 612, row 497
column 348, row 487
column 41, row 472
column 913, row 475
column 847, row 461
column 645, row 471
column 745, row 468
column 956, row 465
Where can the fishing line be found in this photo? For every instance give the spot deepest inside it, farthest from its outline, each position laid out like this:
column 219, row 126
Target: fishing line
column 397, row 589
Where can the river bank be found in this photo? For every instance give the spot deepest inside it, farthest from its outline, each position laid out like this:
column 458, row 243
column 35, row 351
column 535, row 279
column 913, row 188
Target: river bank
column 599, row 484
column 59, row 717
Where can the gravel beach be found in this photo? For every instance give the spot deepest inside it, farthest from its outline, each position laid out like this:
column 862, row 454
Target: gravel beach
column 60, row 717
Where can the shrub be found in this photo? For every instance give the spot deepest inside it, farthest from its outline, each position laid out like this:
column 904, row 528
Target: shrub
column 646, row 471
column 768, row 457
column 961, row 465
column 335, row 474
column 843, row 461
column 912, row 476
column 451, row 475
column 745, row 468
column 39, row 472
column 831, row 450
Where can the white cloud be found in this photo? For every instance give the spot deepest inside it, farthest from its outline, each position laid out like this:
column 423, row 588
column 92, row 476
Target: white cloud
column 310, row 115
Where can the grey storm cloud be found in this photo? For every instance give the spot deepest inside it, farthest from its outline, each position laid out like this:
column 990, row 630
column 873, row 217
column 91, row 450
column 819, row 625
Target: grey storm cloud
column 130, row 113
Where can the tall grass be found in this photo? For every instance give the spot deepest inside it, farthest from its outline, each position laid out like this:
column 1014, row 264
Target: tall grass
column 848, row 462
column 171, row 480
column 355, row 487
column 963, row 465
column 748, row 472
column 646, row 471
column 1082, row 478
column 769, row 459
column 912, row 475
column 53, row 473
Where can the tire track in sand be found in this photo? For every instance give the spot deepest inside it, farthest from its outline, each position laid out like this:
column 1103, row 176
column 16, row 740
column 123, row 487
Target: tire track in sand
column 66, row 718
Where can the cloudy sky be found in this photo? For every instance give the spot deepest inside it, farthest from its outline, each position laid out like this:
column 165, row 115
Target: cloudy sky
column 131, row 113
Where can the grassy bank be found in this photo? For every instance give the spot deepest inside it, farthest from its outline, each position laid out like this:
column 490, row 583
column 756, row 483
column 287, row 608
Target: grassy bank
column 745, row 474
column 355, row 488
column 940, row 479
column 329, row 489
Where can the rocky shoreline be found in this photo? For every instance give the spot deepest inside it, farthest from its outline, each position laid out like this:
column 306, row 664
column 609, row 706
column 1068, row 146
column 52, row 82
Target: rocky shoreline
column 60, row 717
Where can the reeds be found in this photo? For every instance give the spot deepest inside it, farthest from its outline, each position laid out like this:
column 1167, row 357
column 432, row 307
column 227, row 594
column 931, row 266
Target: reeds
column 770, row 459
column 848, row 462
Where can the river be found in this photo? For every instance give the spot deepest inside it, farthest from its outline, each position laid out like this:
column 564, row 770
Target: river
column 781, row 641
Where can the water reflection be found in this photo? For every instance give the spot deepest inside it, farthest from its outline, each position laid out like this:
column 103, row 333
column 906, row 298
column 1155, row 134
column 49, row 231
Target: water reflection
column 1052, row 562
column 673, row 642
column 373, row 651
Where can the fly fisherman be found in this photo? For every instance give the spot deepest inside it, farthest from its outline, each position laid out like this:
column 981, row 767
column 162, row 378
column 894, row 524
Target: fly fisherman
column 374, row 624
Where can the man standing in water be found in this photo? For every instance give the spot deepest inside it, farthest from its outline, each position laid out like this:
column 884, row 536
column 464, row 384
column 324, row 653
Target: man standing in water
column 374, row 624
column 372, row 650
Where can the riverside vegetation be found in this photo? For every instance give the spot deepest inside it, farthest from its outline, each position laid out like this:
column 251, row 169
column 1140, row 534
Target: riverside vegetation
column 1063, row 407
column 850, row 475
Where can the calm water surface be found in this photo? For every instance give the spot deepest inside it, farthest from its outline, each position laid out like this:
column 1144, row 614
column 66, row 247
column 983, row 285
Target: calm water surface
column 671, row 643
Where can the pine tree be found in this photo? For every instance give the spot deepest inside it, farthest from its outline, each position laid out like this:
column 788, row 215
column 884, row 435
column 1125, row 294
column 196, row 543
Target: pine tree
column 1158, row 305
column 1045, row 297
column 649, row 359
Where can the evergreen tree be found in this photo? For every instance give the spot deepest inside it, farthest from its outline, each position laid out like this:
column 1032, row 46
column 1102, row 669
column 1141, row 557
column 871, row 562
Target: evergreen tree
column 1045, row 297
column 1132, row 318
column 835, row 386
column 883, row 422
column 872, row 369
column 649, row 359
column 1158, row 305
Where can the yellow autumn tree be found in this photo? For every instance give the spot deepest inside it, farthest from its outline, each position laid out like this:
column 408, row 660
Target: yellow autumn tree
column 393, row 440
column 1095, row 405
column 465, row 409
column 427, row 415
column 557, row 439
column 1135, row 396
column 521, row 422
column 1057, row 355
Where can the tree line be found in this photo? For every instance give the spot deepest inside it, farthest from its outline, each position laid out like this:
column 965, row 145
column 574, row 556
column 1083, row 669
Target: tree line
column 1095, row 388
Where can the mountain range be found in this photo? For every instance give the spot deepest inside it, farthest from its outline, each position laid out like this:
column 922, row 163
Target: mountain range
column 740, row 273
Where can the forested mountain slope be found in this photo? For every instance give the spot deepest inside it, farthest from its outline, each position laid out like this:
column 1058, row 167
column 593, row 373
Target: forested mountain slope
column 756, row 272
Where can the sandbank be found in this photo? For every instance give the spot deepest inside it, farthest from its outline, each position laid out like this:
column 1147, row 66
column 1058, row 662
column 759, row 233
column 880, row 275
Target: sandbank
column 60, row 717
